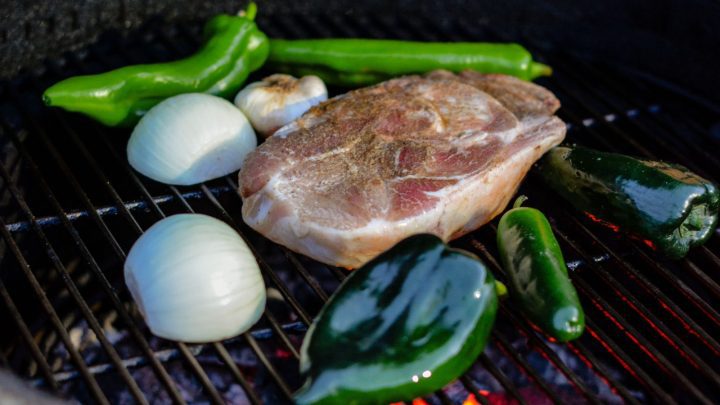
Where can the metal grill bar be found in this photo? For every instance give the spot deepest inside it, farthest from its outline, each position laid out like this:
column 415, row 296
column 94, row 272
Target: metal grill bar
column 251, row 341
column 628, row 364
column 222, row 351
column 591, row 361
column 315, row 285
column 166, row 355
column 161, row 372
column 474, row 390
column 625, row 295
column 537, row 342
column 182, row 347
column 643, row 343
column 315, row 24
column 276, row 376
column 28, row 340
column 696, row 300
column 488, row 256
column 108, row 210
column 92, row 383
column 669, row 306
column 654, row 322
column 549, row 354
column 660, row 123
column 699, row 301
column 497, row 269
column 637, row 348
column 418, row 32
column 579, row 98
column 200, row 373
column 625, row 325
column 135, row 390
column 269, row 272
column 501, row 378
column 502, row 342
column 690, row 267
column 159, row 369
column 546, row 352
column 603, row 305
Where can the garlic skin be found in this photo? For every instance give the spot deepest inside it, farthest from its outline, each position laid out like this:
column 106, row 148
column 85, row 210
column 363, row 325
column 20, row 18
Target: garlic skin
column 278, row 100
column 195, row 280
column 190, row 138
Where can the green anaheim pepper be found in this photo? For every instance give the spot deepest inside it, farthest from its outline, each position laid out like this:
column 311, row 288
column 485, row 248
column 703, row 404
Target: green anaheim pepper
column 669, row 207
column 402, row 326
column 537, row 274
column 357, row 62
column 234, row 47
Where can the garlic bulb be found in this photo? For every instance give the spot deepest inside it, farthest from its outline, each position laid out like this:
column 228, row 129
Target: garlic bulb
column 190, row 138
column 195, row 280
column 278, row 100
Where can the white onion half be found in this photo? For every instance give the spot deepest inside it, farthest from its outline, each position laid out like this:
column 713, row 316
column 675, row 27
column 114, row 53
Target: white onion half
column 190, row 138
column 195, row 280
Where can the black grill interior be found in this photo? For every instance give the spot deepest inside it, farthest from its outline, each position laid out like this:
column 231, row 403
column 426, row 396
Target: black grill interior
column 72, row 207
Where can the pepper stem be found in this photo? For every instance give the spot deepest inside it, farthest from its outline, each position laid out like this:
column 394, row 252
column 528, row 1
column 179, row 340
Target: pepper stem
column 250, row 12
column 519, row 201
column 500, row 289
column 538, row 69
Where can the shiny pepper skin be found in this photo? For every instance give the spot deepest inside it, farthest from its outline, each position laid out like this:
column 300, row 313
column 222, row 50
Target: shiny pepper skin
column 537, row 274
column 234, row 47
column 355, row 62
column 666, row 205
column 402, row 326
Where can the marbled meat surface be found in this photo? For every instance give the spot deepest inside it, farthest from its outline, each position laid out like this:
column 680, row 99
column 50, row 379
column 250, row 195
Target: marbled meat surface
column 441, row 153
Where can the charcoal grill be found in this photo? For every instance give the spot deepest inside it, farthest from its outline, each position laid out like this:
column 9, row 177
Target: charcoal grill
column 72, row 207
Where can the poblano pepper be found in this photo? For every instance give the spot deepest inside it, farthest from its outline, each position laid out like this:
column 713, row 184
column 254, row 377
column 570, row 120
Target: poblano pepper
column 234, row 47
column 402, row 326
column 357, row 62
column 666, row 205
column 537, row 274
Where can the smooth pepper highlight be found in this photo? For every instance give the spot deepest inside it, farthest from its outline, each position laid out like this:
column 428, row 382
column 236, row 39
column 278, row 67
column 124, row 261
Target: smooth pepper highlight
column 537, row 274
column 360, row 62
column 400, row 327
column 664, row 204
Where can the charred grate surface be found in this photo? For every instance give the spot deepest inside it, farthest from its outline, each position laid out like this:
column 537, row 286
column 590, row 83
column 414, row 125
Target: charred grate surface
column 72, row 207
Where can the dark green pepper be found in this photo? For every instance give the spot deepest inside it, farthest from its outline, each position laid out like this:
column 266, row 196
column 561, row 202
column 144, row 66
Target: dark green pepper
column 537, row 273
column 234, row 48
column 357, row 62
column 666, row 205
column 402, row 326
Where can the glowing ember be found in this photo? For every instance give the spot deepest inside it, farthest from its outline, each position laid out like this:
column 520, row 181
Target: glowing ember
column 602, row 222
column 470, row 400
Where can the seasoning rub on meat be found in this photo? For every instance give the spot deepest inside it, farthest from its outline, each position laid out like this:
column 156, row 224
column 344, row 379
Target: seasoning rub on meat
column 440, row 153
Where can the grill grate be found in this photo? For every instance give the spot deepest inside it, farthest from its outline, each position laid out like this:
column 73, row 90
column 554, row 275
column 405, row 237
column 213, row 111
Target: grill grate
column 76, row 207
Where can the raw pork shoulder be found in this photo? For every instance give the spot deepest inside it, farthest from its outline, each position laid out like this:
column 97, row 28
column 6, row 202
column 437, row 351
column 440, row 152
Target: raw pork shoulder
column 440, row 153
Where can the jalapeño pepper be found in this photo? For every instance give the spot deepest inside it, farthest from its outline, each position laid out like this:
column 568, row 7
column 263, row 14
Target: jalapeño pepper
column 669, row 207
column 234, row 48
column 537, row 273
column 356, row 62
column 402, row 326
